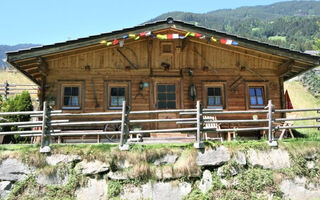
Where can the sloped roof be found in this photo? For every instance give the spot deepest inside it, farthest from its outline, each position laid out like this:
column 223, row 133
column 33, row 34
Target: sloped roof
column 313, row 60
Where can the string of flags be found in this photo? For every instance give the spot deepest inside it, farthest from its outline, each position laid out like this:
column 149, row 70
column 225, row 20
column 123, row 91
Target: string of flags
column 167, row 37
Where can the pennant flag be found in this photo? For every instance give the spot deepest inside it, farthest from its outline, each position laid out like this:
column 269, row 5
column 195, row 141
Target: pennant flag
column 121, row 43
column 175, row 36
column 153, row 36
column 203, row 37
column 115, row 41
column 137, row 38
column 109, row 43
column 161, row 37
column 143, row 34
column 103, row 42
column 125, row 36
column 192, row 34
column 197, row 35
column 235, row 43
column 223, row 41
column 187, row 34
column 182, row 37
column 169, row 36
column 148, row 33
column 213, row 39
column 132, row 35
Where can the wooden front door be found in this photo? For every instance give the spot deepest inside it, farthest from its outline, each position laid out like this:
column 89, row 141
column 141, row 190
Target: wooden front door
column 167, row 97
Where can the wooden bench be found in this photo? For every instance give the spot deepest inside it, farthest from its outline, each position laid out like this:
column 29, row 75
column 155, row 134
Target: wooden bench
column 209, row 123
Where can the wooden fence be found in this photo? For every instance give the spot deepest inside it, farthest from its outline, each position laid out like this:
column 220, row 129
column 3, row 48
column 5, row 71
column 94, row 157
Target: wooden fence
column 7, row 89
column 200, row 123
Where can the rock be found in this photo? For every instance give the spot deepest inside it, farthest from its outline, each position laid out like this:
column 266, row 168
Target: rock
column 167, row 159
column 213, row 157
column 296, row 189
column 225, row 170
column 206, row 181
column 94, row 190
column 165, row 173
column 56, row 159
column 131, row 192
column 5, row 185
column 123, row 164
column 165, row 191
column 59, row 177
column 240, row 158
column 13, row 170
column 310, row 156
column 90, row 168
column 118, row 175
column 310, row 164
column 274, row 159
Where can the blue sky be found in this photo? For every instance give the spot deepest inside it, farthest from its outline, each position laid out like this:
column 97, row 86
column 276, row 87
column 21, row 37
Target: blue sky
column 50, row 21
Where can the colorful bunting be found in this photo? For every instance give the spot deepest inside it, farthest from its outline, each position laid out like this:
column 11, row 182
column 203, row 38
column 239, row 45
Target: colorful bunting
column 125, row 36
column 103, row 42
column 228, row 42
column 121, row 43
column 213, row 39
column 197, row 35
column 148, row 33
column 137, row 38
column 187, row 34
column 109, row 43
column 143, row 34
column 132, row 35
column 115, row 41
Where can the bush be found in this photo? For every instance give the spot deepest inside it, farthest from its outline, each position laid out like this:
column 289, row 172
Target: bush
column 18, row 103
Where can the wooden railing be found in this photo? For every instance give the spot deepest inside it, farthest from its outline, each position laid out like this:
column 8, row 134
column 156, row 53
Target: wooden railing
column 47, row 124
column 7, row 89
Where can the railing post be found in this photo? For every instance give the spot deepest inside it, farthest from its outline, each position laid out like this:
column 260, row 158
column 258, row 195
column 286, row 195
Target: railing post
column 199, row 143
column 271, row 140
column 6, row 90
column 124, row 146
column 45, row 137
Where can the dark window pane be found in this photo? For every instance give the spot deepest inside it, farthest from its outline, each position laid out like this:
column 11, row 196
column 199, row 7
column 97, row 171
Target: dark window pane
column 260, row 100
column 259, row 91
column 75, row 91
column 162, row 104
column 171, row 88
column 67, row 91
column 217, row 91
column 114, row 92
column 166, row 48
column 252, row 92
column 162, row 96
column 171, row 96
column 210, row 92
column 171, row 104
column 66, row 101
column 121, row 91
column 253, row 101
column 162, row 88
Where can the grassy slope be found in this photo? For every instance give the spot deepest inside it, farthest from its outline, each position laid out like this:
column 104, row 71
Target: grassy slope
column 14, row 78
column 301, row 98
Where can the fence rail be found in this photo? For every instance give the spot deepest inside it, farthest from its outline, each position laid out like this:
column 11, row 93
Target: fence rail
column 201, row 124
column 7, row 89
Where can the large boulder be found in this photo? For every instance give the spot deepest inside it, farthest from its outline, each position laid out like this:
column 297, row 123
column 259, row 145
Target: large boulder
column 131, row 192
column 5, row 188
column 90, row 168
column 297, row 189
column 240, row 158
column 213, row 157
column 166, row 159
column 94, row 190
column 118, row 175
column 56, row 159
column 12, row 169
column 59, row 177
column 166, row 190
column 206, row 181
column 274, row 159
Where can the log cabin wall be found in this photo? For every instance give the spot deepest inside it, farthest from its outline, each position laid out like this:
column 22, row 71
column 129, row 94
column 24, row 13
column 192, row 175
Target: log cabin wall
column 95, row 68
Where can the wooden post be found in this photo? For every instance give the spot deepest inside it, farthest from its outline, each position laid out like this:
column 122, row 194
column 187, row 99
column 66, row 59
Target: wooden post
column 45, row 135
column 199, row 143
column 124, row 146
column 6, row 90
column 271, row 140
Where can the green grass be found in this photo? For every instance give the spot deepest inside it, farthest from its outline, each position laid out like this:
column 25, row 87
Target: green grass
column 277, row 37
column 301, row 98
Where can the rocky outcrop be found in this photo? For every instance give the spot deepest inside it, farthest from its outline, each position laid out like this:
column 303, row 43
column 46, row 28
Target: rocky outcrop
column 213, row 157
column 90, row 168
column 165, row 190
column 206, row 181
column 59, row 176
column 94, row 190
column 12, row 169
column 5, row 187
column 240, row 158
column 274, row 159
column 56, row 159
column 166, row 159
column 299, row 189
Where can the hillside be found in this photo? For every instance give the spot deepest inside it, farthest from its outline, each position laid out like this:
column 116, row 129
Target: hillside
column 291, row 24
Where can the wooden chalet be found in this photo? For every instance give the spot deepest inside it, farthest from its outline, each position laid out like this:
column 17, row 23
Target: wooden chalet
column 167, row 64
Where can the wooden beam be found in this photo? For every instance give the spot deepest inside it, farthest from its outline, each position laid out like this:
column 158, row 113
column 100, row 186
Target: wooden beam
column 42, row 67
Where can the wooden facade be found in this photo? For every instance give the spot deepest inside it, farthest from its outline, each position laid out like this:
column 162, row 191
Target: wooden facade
column 141, row 67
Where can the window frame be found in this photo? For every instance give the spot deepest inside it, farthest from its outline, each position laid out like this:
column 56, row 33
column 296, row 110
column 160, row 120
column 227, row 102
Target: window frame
column 157, row 99
column 116, row 84
column 265, row 94
column 172, row 80
column 62, row 86
column 221, row 85
column 162, row 44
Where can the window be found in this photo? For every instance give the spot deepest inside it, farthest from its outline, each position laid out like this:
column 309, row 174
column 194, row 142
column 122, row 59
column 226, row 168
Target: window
column 117, row 96
column 166, row 96
column 71, row 95
column 116, row 93
column 166, row 48
column 214, row 96
column 256, row 97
